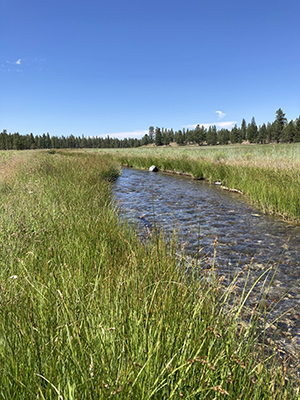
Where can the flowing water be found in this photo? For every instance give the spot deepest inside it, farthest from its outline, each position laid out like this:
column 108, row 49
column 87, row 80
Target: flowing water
column 199, row 213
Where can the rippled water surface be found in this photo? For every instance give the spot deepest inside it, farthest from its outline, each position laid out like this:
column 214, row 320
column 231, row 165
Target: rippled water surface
column 201, row 212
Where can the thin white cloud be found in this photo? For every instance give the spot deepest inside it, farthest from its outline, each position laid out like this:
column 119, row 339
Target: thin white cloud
column 122, row 135
column 25, row 63
column 225, row 125
column 220, row 114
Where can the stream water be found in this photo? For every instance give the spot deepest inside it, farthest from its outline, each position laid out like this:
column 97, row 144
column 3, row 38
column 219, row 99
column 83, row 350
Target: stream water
column 199, row 213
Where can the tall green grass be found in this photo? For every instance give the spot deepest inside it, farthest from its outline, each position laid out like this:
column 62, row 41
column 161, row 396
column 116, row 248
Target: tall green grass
column 88, row 312
column 263, row 154
column 274, row 188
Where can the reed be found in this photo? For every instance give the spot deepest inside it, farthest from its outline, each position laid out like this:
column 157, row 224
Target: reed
column 88, row 312
column 269, row 176
column 255, row 154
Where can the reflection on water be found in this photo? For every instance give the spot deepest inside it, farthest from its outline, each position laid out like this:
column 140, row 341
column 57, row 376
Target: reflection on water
column 201, row 212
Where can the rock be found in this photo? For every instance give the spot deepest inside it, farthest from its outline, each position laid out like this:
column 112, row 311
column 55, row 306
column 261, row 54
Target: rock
column 153, row 168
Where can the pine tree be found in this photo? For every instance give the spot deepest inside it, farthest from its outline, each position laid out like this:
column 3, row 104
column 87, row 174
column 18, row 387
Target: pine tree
column 269, row 132
column 171, row 135
column 211, row 135
column 223, row 136
column 288, row 133
column 244, row 130
column 278, row 125
column 262, row 134
column 165, row 138
column 179, row 138
column 151, row 134
column 199, row 135
column 297, row 130
column 234, row 135
column 158, row 137
column 252, row 132
column 145, row 140
column 3, row 140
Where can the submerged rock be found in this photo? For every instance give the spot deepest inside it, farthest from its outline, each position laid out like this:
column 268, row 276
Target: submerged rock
column 153, row 168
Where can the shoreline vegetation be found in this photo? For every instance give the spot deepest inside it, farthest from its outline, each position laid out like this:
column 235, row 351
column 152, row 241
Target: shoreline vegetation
column 88, row 311
column 268, row 175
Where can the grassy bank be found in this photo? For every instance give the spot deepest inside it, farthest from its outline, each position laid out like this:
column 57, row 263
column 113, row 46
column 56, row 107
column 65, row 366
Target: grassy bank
column 87, row 312
column 268, row 175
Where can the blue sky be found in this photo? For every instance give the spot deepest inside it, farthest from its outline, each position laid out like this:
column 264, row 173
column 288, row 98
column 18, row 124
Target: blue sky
column 115, row 67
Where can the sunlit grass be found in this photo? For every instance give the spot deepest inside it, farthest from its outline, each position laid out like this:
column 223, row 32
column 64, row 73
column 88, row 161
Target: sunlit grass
column 254, row 154
column 88, row 312
column 268, row 174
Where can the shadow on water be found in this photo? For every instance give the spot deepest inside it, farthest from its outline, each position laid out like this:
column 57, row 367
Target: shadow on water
column 200, row 213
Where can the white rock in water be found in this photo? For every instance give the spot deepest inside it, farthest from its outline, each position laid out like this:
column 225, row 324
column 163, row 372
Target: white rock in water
column 153, row 168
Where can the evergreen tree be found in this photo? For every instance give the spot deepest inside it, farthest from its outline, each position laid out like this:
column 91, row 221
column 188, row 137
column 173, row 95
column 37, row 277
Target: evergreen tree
column 47, row 141
column 223, row 136
column 278, row 125
column 32, row 143
column 145, row 140
column 235, row 135
column 288, row 133
column 71, row 142
column 252, row 132
column 189, row 136
column 269, row 132
column 199, row 135
column 179, row 138
column 165, row 138
column 183, row 135
column 3, row 140
column 211, row 136
column 244, row 130
column 151, row 134
column 171, row 135
column 18, row 141
column 297, row 130
column 158, row 137
column 262, row 134
column 239, row 136
column 83, row 142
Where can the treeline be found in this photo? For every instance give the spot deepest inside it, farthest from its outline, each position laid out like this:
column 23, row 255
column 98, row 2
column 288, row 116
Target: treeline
column 279, row 131
column 15, row 141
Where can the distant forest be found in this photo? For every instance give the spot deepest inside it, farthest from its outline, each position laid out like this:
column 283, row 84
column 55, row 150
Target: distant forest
column 279, row 131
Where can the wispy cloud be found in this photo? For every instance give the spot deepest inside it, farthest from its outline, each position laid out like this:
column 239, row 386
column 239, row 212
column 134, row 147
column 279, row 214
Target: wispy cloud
column 122, row 135
column 220, row 114
column 22, row 64
column 225, row 125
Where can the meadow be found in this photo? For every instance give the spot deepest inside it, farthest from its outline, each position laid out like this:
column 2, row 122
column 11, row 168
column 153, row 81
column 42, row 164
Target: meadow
column 87, row 311
column 269, row 175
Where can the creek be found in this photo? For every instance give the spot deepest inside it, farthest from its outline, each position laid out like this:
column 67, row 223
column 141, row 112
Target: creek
column 199, row 213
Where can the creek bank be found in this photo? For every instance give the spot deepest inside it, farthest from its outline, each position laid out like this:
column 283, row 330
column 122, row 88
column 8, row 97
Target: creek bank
column 276, row 191
column 153, row 168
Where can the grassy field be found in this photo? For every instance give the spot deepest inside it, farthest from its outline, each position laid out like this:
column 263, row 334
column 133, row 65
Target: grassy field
column 271, row 154
column 88, row 312
column 268, row 174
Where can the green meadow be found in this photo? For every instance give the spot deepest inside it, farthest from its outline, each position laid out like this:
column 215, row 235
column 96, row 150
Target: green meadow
column 269, row 175
column 87, row 311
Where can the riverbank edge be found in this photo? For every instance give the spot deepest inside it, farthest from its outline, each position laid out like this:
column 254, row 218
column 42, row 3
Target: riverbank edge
column 274, row 191
column 191, row 176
